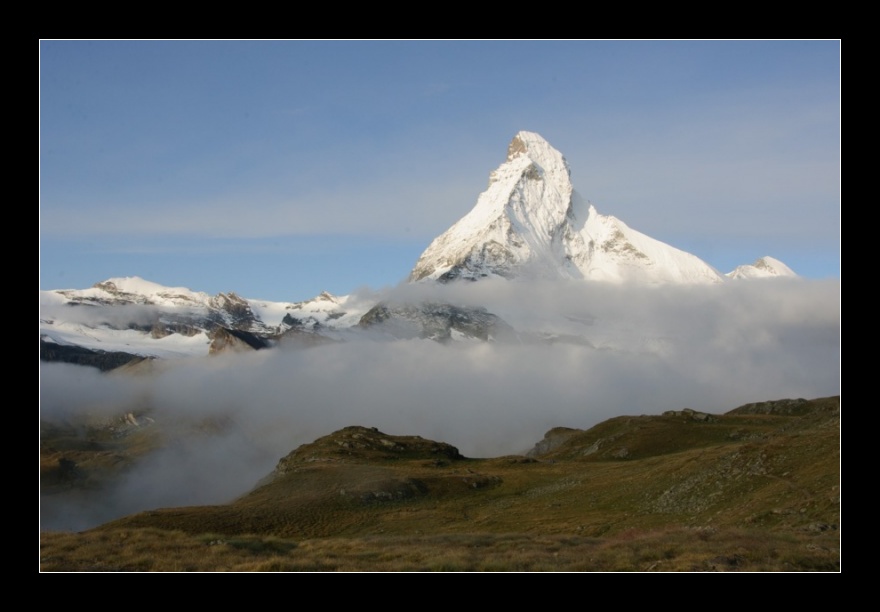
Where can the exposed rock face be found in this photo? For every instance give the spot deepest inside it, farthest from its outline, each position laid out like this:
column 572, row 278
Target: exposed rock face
column 322, row 313
column 234, row 340
column 436, row 322
column 553, row 439
column 231, row 310
column 164, row 328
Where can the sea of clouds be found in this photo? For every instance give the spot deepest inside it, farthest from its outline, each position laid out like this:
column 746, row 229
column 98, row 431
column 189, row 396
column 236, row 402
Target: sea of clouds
column 581, row 353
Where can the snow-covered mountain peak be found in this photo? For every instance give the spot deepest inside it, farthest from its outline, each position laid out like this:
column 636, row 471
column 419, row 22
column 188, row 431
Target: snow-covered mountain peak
column 148, row 290
column 764, row 267
column 531, row 222
column 539, row 151
column 326, row 296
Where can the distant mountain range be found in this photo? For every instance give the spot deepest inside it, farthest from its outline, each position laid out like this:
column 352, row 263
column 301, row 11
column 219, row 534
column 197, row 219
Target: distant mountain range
column 530, row 223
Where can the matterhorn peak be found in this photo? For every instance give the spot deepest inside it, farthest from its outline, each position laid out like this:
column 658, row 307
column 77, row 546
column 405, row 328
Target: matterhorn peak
column 533, row 146
column 518, row 145
column 531, row 222
column 543, row 160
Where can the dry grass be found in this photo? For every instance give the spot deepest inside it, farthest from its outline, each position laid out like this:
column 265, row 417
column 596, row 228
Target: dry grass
column 743, row 492
column 671, row 550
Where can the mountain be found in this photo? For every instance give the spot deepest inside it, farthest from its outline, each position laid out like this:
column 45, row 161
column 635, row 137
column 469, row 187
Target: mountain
column 437, row 321
column 131, row 316
column 531, row 222
column 764, row 267
column 120, row 320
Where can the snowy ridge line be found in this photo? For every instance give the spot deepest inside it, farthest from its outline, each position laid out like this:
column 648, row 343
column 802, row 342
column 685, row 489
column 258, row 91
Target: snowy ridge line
column 530, row 222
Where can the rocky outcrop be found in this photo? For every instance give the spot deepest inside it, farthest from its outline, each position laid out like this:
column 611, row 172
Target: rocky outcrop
column 230, row 310
column 358, row 444
column 103, row 360
column 694, row 415
column 233, row 340
column 434, row 321
column 553, row 439
column 820, row 407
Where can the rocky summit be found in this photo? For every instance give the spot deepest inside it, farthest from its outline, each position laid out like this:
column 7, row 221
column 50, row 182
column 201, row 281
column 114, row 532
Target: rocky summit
column 531, row 222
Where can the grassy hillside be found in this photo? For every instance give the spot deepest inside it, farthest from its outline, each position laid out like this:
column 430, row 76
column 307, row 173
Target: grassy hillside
column 756, row 489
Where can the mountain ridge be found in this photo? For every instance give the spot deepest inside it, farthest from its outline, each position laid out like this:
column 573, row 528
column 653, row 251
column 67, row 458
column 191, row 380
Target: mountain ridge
column 530, row 221
column 756, row 488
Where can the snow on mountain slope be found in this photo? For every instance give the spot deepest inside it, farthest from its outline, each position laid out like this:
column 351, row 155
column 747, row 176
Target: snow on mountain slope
column 136, row 316
column 135, row 291
column 764, row 267
column 326, row 312
column 531, row 222
column 133, row 341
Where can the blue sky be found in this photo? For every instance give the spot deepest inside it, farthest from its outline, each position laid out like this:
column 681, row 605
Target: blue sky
column 281, row 169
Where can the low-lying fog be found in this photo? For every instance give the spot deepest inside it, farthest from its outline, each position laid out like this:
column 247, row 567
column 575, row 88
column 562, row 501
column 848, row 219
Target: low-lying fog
column 648, row 350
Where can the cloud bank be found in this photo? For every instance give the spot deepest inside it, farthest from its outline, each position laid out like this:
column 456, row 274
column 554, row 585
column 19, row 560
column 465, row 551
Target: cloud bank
column 593, row 351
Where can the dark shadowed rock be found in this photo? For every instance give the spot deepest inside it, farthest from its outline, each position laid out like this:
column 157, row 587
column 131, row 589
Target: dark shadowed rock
column 226, row 340
column 436, row 321
column 103, row 360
